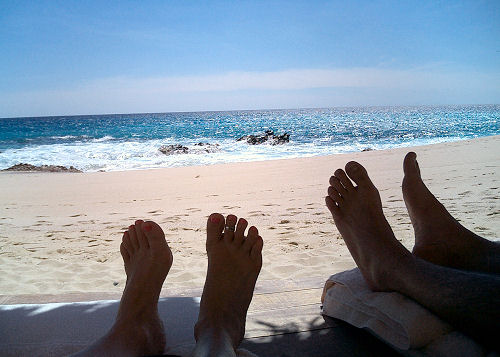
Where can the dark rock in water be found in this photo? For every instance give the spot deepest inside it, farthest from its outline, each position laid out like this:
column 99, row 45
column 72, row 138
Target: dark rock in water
column 42, row 168
column 200, row 148
column 367, row 149
column 267, row 137
column 207, row 147
column 173, row 149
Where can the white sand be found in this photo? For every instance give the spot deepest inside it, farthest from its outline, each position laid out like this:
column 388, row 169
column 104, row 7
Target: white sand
column 61, row 232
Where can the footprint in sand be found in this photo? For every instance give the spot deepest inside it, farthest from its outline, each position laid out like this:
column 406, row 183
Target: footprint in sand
column 260, row 214
column 155, row 211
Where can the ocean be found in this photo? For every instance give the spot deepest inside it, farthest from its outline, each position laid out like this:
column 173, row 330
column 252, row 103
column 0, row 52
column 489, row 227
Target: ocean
column 132, row 141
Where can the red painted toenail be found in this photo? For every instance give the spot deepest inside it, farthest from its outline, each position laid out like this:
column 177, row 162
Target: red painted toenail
column 214, row 219
column 147, row 227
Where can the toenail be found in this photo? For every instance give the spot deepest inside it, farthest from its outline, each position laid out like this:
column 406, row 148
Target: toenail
column 214, row 219
column 147, row 227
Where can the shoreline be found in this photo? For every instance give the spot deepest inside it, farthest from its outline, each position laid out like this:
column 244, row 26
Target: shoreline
column 60, row 232
column 73, row 170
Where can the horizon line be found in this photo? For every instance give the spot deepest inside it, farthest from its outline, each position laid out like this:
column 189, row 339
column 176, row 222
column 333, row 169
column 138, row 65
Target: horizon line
column 254, row 110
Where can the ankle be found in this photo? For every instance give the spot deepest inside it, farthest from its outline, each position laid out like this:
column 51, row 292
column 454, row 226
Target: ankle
column 393, row 277
column 212, row 340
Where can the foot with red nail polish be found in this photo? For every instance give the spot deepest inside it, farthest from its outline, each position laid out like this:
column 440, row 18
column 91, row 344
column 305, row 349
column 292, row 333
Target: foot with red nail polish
column 234, row 263
column 138, row 330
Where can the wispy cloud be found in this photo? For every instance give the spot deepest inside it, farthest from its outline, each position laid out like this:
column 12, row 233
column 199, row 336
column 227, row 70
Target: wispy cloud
column 298, row 80
column 241, row 90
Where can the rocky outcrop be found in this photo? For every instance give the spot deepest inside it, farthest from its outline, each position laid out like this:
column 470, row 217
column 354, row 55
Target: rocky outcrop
column 200, row 148
column 173, row 149
column 268, row 137
column 43, row 168
column 207, row 147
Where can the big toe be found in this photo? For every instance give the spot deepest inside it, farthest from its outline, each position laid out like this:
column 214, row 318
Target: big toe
column 154, row 234
column 410, row 165
column 215, row 225
column 357, row 173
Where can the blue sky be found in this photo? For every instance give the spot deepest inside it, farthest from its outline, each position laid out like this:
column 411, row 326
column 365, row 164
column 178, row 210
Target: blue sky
column 91, row 57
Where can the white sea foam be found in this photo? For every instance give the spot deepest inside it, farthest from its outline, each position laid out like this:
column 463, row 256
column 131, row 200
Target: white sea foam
column 109, row 155
column 103, row 139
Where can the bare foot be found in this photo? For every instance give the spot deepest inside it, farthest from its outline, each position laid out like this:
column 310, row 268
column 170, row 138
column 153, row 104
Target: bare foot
column 234, row 263
column 138, row 330
column 147, row 259
column 439, row 238
column 357, row 212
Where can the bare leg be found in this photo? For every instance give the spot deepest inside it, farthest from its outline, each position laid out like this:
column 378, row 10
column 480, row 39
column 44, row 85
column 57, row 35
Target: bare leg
column 440, row 238
column 138, row 330
column 234, row 263
column 469, row 300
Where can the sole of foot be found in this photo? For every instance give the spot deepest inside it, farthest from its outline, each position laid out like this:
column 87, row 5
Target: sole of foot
column 439, row 238
column 356, row 207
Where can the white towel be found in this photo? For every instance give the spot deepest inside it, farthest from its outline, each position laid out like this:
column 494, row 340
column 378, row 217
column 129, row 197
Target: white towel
column 394, row 318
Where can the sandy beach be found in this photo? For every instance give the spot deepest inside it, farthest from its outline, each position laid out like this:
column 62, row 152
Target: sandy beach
column 60, row 232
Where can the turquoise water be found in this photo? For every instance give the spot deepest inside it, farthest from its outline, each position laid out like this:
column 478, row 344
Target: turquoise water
column 131, row 141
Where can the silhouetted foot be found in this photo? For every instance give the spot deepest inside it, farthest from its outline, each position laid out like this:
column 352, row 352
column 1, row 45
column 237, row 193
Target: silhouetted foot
column 439, row 238
column 357, row 212
column 138, row 330
column 234, row 263
column 147, row 259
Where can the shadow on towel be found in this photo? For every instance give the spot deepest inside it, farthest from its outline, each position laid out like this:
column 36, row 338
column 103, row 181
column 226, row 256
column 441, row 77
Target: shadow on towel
column 394, row 318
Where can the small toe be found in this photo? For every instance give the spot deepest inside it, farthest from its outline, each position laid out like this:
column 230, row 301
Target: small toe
column 344, row 180
column 133, row 237
column 215, row 225
column 230, row 228
column 141, row 238
column 357, row 173
column 251, row 239
column 239, row 233
column 256, row 252
column 335, row 196
column 332, row 207
column 127, row 244
column 124, row 253
column 337, row 184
